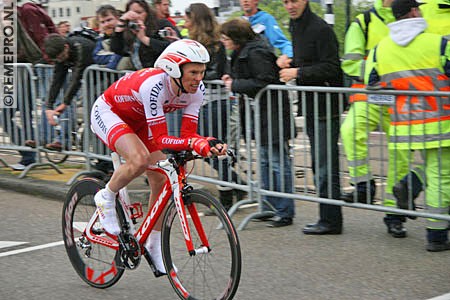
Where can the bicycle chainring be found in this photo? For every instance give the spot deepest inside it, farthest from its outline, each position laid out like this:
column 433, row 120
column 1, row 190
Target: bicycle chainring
column 129, row 250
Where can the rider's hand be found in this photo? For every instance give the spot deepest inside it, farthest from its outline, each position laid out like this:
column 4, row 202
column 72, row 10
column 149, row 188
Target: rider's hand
column 201, row 146
column 217, row 146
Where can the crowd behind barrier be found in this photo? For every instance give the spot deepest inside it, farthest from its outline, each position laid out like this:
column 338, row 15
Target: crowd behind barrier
column 28, row 122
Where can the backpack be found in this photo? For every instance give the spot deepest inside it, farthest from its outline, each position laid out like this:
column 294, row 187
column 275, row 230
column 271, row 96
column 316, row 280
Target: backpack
column 85, row 32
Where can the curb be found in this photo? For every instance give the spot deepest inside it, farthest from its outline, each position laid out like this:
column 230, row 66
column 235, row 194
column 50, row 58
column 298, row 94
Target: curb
column 42, row 188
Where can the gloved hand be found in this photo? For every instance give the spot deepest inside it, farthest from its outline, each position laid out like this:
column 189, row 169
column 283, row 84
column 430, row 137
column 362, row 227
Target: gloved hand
column 213, row 142
column 201, row 146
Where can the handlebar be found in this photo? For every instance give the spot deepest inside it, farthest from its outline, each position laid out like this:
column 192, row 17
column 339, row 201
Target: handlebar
column 177, row 158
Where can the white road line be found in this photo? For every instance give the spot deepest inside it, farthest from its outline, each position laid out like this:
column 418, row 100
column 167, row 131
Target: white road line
column 54, row 244
column 442, row 297
column 7, row 244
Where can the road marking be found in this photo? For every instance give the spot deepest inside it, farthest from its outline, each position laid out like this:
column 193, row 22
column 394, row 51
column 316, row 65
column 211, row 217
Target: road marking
column 7, row 244
column 54, row 244
column 442, row 297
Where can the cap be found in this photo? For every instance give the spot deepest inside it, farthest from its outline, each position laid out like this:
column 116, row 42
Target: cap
column 402, row 7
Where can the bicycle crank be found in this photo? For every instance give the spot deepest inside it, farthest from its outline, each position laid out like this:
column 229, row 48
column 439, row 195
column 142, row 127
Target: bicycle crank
column 129, row 250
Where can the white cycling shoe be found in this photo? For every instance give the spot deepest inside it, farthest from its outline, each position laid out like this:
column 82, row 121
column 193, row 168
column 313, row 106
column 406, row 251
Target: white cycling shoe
column 106, row 209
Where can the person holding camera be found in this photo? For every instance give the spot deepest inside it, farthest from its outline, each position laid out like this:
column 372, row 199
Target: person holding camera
column 138, row 34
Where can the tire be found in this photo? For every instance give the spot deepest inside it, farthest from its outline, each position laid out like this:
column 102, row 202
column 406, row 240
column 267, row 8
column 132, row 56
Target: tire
column 96, row 264
column 213, row 275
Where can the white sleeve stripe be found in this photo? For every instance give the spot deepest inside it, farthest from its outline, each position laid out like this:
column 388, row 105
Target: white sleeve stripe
column 156, row 119
column 190, row 116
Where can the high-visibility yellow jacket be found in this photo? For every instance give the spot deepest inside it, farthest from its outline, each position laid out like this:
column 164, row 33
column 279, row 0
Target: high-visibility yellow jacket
column 362, row 35
column 420, row 62
column 437, row 15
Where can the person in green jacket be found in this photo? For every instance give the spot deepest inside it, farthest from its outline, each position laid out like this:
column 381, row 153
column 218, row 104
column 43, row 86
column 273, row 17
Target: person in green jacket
column 363, row 117
column 409, row 58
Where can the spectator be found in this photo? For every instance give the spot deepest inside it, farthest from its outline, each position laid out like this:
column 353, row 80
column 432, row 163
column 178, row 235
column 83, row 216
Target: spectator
column 33, row 26
column 316, row 63
column 108, row 17
column 74, row 53
column 422, row 62
column 162, row 10
column 64, row 28
column 363, row 117
column 184, row 32
column 265, row 24
column 253, row 66
column 437, row 15
column 136, row 34
column 204, row 28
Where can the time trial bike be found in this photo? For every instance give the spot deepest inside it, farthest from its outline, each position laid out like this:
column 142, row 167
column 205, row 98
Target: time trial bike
column 200, row 246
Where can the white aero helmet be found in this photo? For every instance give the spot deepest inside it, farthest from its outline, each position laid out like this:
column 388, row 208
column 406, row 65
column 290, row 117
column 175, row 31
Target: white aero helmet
column 179, row 53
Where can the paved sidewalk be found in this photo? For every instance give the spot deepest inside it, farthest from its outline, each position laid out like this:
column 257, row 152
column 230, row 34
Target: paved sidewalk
column 45, row 181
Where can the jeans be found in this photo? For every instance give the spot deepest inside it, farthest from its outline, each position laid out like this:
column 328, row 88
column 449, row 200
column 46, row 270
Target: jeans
column 19, row 127
column 276, row 175
column 325, row 166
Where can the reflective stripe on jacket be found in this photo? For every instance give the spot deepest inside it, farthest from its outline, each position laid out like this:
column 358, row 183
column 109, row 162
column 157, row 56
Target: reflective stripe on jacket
column 423, row 65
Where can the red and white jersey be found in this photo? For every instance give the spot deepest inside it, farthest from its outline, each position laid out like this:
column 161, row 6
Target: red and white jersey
column 143, row 97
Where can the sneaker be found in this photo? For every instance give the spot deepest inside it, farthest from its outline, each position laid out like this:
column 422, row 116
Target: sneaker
column 438, row 246
column 107, row 212
column 395, row 227
column 18, row 167
column 30, row 143
column 279, row 222
column 55, row 146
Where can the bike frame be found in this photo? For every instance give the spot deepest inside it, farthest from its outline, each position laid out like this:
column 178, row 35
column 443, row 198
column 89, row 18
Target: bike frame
column 174, row 185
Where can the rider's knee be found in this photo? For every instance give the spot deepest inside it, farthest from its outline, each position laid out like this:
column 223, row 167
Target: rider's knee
column 140, row 161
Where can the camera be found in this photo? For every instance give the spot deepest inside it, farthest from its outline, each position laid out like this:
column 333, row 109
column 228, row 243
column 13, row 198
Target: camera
column 133, row 25
column 163, row 33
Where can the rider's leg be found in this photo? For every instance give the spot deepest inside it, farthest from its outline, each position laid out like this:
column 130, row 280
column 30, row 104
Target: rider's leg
column 137, row 157
column 156, row 182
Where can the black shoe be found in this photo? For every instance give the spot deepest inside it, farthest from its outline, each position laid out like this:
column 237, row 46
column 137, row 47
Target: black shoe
column 361, row 193
column 401, row 194
column 438, row 246
column 263, row 218
column 320, row 228
column 279, row 222
column 395, row 227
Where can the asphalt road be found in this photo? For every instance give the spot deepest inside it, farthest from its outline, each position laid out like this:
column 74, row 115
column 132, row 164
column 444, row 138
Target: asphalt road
column 363, row 263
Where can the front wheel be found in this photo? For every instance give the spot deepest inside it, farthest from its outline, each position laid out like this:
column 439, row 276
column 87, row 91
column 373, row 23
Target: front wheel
column 98, row 265
column 212, row 274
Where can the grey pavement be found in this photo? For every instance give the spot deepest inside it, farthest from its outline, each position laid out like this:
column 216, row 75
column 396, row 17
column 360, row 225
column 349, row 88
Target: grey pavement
column 362, row 263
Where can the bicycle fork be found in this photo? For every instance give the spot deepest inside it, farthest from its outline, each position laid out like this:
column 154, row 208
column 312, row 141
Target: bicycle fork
column 179, row 197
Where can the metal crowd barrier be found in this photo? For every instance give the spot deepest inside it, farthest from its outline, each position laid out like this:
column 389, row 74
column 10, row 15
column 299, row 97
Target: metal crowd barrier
column 21, row 124
column 300, row 153
column 236, row 119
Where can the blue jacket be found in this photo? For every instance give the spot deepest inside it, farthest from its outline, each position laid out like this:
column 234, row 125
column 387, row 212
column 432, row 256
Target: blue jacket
column 264, row 23
column 103, row 55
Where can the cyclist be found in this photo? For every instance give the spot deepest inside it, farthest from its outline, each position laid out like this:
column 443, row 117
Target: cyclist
column 129, row 117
